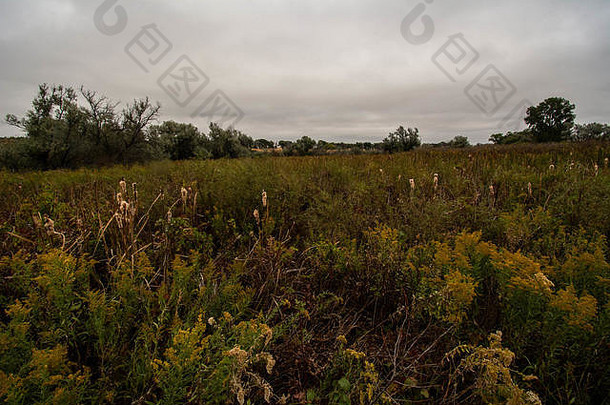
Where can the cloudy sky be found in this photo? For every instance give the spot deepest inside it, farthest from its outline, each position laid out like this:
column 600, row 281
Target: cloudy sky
column 340, row 70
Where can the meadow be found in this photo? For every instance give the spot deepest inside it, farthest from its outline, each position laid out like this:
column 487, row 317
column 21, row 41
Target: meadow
column 471, row 276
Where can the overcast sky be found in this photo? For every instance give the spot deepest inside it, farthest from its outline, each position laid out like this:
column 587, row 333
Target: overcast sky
column 338, row 70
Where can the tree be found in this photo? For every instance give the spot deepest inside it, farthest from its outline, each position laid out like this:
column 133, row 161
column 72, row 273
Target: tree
column 55, row 126
column 62, row 133
column 135, row 118
column 303, row 146
column 263, row 144
column 552, row 120
column 459, row 142
column 402, row 140
column 590, row 132
column 511, row 138
column 178, row 141
column 228, row 142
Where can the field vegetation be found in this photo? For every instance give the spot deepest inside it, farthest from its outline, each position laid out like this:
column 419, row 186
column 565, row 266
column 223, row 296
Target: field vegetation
column 477, row 275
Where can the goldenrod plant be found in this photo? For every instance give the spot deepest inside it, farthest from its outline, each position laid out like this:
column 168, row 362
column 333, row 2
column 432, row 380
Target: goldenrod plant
column 369, row 279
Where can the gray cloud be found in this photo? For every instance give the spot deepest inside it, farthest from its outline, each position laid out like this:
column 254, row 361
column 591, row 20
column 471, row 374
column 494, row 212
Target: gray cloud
column 332, row 70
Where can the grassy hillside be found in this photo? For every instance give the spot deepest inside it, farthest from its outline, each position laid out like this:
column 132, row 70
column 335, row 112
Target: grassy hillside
column 436, row 276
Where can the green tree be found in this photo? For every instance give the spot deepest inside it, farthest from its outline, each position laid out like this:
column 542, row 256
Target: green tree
column 402, row 140
column 53, row 125
column 511, row 138
column 552, row 120
column 228, row 142
column 459, row 142
column 590, row 132
column 178, row 141
column 304, row 146
column 263, row 144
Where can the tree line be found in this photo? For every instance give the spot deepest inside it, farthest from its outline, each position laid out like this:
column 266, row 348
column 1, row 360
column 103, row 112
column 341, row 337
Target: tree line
column 68, row 128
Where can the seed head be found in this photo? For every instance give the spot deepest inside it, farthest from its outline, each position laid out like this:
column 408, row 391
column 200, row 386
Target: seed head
column 412, row 183
column 492, row 190
column 257, row 216
column 49, row 225
column 529, row 189
column 606, row 162
column 124, row 208
column 264, row 197
column 184, row 195
column 552, row 167
column 435, row 181
column 123, row 186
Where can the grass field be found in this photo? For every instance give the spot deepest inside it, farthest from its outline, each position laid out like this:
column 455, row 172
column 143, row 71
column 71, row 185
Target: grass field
column 436, row 276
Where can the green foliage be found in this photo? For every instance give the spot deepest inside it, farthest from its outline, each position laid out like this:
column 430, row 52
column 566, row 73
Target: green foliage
column 402, row 140
column 459, row 142
column 552, row 120
column 591, row 132
column 511, row 138
column 343, row 282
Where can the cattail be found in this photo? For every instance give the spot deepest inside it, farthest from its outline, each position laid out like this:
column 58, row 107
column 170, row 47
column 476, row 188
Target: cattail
column 264, row 198
column 257, row 216
column 49, row 225
column 184, row 194
column 37, row 220
column 529, row 189
column 123, row 186
column 412, row 183
column 267, row 391
column 119, row 219
column 435, row 181
column 544, row 282
column 124, row 208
